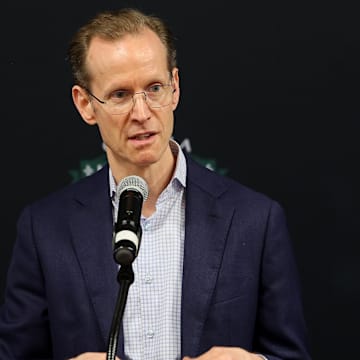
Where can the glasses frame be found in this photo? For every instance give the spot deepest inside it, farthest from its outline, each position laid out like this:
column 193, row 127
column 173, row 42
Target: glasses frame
column 103, row 102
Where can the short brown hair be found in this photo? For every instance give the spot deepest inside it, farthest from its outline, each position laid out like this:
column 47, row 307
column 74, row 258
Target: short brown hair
column 113, row 25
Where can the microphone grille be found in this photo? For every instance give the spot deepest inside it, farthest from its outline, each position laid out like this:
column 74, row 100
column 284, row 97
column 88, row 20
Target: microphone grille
column 133, row 182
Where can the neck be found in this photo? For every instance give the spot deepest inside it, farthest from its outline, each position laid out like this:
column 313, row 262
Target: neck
column 157, row 177
column 156, row 184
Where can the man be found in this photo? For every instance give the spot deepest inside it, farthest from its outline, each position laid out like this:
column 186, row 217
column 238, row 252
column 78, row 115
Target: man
column 215, row 277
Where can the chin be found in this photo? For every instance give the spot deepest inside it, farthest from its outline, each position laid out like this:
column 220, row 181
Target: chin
column 147, row 161
column 148, row 158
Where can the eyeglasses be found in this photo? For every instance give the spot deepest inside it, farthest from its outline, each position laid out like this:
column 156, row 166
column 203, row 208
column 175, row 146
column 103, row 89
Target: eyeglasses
column 122, row 101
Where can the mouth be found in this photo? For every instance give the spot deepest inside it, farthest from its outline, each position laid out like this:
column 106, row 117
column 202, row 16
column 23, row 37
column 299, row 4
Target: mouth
column 143, row 138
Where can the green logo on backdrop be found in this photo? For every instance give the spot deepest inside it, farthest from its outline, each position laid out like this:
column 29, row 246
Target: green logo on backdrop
column 90, row 166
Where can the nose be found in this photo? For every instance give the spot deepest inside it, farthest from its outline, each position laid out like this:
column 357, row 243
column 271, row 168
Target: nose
column 140, row 108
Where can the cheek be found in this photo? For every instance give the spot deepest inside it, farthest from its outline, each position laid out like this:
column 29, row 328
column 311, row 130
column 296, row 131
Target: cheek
column 109, row 128
column 169, row 124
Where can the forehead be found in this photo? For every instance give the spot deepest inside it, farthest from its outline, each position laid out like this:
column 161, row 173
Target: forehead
column 131, row 56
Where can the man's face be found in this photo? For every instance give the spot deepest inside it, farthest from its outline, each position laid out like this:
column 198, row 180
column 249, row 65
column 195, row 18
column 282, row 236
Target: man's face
column 140, row 137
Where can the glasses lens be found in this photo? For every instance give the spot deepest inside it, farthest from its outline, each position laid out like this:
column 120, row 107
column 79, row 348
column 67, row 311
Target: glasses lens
column 123, row 107
column 159, row 96
column 156, row 97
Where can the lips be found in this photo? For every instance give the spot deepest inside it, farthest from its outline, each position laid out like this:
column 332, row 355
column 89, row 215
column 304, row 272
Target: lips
column 143, row 136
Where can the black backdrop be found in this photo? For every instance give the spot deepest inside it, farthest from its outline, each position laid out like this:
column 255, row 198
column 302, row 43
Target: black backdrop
column 270, row 97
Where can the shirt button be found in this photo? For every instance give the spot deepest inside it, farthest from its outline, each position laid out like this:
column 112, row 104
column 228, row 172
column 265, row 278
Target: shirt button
column 146, row 226
column 148, row 279
column 150, row 334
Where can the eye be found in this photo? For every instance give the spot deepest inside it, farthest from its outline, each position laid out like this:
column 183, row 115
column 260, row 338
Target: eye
column 155, row 88
column 120, row 95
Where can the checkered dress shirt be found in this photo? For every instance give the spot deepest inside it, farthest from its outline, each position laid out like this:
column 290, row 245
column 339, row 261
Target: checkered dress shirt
column 151, row 320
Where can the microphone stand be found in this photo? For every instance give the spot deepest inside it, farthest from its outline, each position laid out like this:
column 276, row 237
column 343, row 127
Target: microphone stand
column 132, row 191
column 125, row 278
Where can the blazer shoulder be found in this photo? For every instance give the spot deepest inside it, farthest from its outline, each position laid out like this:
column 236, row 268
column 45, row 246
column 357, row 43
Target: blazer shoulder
column 82, row 190
column 222, row 186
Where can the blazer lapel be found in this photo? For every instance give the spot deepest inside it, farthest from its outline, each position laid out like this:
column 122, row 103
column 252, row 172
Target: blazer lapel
column 206, row 227
column 92, row 228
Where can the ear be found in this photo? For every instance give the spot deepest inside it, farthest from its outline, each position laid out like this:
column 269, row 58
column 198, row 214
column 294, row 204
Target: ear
column 83, row 104
column 176, row 83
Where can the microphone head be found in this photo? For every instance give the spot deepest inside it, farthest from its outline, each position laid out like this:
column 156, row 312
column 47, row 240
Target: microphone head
column 135, row 183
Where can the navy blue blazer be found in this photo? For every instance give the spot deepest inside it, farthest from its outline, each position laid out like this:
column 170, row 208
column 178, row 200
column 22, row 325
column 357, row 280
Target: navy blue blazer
column 240, row 282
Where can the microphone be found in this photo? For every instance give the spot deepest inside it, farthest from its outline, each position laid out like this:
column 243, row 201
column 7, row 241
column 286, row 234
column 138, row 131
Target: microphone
column 132, row 191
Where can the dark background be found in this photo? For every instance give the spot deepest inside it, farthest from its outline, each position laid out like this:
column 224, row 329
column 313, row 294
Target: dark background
column 270, row 95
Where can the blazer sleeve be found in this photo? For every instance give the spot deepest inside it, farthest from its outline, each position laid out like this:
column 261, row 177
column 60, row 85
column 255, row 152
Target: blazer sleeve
column 281, row 327
column 24, row 326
